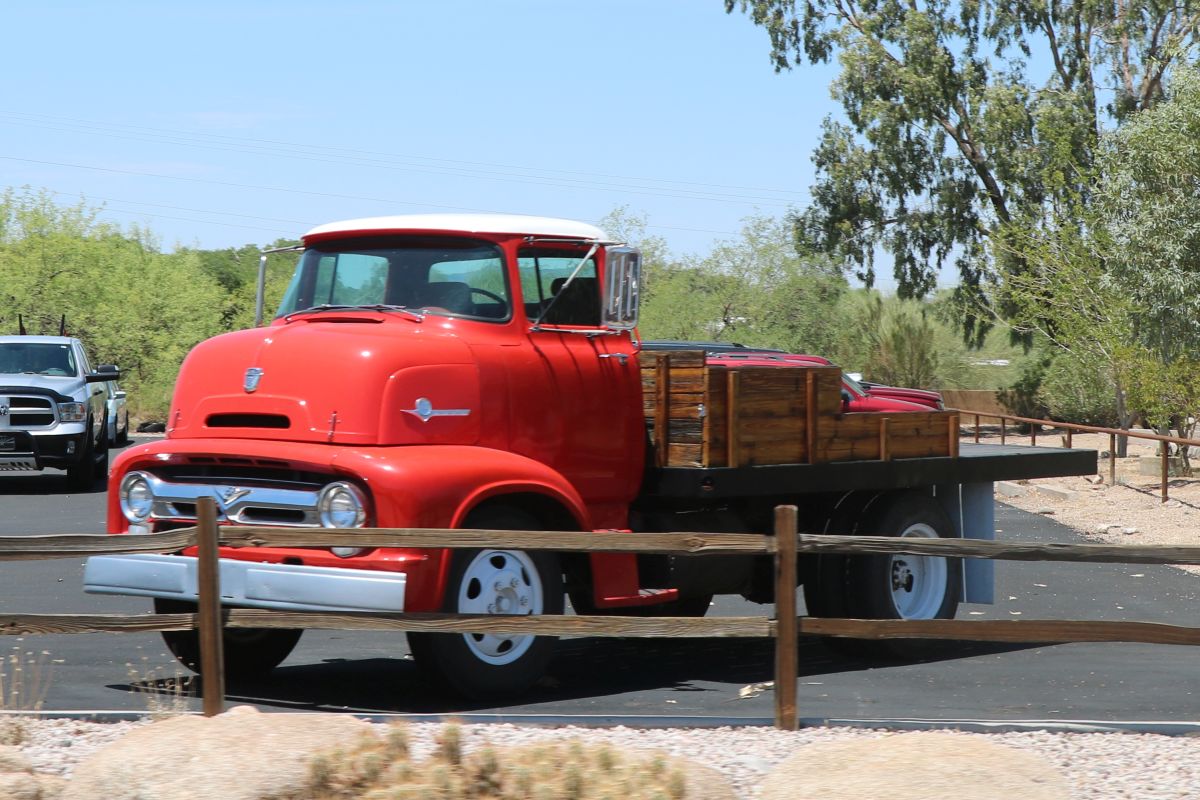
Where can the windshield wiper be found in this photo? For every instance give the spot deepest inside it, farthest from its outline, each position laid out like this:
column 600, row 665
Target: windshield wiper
column 419, row 317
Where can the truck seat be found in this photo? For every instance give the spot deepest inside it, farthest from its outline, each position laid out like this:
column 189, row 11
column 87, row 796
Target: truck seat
column 580, row 305
column 453, row 296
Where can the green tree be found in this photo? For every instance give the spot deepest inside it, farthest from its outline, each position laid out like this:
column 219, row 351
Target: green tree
column 949, row 137
column 755, row 289
column 130, row 304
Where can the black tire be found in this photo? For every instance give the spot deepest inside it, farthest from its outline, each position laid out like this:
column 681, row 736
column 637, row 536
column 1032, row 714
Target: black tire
column 485, row 667
column 81, row 476
column 902, row 586
column 100, row 460
column 248, row 652
column 825, row 585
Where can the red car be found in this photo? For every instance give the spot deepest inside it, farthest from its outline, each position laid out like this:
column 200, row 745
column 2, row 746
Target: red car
column 855, row 396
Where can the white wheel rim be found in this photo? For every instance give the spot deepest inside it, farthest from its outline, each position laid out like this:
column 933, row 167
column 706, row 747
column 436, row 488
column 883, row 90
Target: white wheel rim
column 918, row 583
column 500, row 582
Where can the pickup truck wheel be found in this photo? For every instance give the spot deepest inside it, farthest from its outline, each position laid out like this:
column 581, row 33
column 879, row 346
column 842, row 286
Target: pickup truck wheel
column 100, row 463
column 493, row 581
column 81, row 476
column 248, row 652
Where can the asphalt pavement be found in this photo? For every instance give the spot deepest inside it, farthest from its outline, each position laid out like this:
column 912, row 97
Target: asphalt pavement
column 370, row 672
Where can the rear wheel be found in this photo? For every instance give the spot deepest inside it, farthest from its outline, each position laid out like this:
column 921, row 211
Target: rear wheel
column 906, row 586
column 248, row 652
column 886, row 586
column 493, row 581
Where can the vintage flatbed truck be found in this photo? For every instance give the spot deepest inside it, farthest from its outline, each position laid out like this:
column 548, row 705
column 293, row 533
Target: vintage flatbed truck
column 483, row 371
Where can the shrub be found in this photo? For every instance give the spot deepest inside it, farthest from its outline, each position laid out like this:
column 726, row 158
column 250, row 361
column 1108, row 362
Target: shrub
column 380, row 768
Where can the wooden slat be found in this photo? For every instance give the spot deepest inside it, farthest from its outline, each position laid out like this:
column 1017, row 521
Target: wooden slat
column 597, row 542
column 548, row 625
column 810, row 416
column 1006, row 551
column 31, row 624
column 733, row 411
column 662, row 414
column 29, row 548
column 885, row 453
column 1003, row 630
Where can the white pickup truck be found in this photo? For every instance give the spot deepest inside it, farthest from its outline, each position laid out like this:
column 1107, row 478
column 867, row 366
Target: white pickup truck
column 53, row 410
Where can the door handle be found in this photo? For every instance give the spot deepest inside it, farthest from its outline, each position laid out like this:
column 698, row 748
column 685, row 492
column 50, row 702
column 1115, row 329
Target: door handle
column 621, row 357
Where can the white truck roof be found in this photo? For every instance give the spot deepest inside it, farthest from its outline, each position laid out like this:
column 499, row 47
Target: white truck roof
column 465, row 223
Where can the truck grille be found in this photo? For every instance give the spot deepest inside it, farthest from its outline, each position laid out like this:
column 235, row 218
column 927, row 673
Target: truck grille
column 239, row 501
column 29, row 412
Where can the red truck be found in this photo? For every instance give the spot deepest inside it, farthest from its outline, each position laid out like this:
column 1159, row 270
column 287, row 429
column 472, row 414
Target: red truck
column 482, row 371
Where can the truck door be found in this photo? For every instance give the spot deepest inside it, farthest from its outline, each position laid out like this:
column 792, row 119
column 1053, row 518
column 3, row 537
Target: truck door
column 592, row 416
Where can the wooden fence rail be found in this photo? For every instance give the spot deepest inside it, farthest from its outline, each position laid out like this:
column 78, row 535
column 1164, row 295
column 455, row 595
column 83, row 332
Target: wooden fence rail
column 785, row 545
column 1070, row 427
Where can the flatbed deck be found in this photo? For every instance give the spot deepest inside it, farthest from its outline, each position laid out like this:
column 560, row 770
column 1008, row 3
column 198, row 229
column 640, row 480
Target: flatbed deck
column 976, row 463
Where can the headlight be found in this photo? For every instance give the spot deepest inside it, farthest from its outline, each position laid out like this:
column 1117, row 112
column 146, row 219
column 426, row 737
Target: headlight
column 137, row 498
column 72, row 412
column 342, row 505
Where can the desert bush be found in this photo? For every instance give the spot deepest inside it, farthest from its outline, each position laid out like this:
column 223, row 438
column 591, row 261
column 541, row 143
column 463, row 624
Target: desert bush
column 381, row 768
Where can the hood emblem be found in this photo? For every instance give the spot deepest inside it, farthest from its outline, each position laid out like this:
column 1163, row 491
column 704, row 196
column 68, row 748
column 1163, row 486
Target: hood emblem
column 253, row 376
column 229, row 495
column 423, row 410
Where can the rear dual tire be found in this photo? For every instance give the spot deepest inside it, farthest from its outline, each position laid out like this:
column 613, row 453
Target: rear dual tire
column 886, row 586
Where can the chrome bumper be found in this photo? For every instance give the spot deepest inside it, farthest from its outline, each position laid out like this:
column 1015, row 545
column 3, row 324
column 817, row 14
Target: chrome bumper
column 288, row 587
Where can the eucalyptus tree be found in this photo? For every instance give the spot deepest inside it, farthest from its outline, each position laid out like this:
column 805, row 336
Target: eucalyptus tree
column 965, row 118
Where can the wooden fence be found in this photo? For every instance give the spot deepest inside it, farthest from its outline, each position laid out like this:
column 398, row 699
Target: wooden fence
column 785, row 627
column 1071, row 427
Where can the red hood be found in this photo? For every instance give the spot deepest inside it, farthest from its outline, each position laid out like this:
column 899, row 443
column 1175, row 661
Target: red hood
column 922, row 397
column 348, row 379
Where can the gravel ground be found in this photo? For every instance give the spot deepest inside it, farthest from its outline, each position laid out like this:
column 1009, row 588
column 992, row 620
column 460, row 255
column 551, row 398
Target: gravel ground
column 1098, row 766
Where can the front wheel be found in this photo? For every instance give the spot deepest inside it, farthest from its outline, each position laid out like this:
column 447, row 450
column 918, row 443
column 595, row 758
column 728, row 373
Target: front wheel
column 483, row 665
column 249, row 652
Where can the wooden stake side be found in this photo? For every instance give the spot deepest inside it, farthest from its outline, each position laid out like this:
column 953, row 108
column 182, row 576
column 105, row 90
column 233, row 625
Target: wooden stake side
column 811, row 416
column 787, row 670
column 733, row 449
column 952, row 435
column 662, row 408
column 884, row 455
column 212, row 657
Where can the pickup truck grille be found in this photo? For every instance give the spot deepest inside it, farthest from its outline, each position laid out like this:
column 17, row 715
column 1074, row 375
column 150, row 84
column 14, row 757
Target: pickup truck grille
column 28, row 412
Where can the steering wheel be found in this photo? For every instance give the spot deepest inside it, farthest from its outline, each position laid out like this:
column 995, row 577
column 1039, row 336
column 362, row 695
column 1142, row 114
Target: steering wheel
column 489, row 295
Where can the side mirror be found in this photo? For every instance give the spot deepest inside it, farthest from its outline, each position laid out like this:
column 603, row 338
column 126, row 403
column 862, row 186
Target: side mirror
column 104, row 372
column 622, row 277
column 119, row 394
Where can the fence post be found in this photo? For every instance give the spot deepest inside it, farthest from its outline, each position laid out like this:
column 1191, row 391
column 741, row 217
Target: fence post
column 208, row 618
column 976, row 429
column 1165, row 470
column 1112, row 459
column 787, row 671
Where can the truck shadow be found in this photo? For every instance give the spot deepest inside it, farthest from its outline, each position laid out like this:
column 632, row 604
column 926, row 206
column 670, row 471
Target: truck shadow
column 713, row 672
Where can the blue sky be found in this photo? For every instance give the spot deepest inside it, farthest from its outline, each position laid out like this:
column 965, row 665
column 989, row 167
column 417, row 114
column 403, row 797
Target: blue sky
column 224, row 123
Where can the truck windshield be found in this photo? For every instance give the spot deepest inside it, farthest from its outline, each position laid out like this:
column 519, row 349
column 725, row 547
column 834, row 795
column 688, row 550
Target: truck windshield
column 449, row 277
column 55, row 360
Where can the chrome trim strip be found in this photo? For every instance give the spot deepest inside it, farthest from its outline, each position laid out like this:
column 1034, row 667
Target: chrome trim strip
column 243, row 505
column 289, row 587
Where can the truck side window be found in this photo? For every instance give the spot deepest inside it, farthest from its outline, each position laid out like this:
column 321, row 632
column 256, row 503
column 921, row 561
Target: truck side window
column 544, row 275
